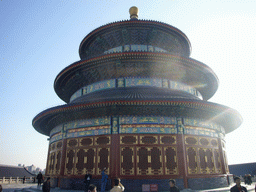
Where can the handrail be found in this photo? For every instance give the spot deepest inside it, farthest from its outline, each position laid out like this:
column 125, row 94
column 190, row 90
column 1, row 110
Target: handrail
column 9, row 180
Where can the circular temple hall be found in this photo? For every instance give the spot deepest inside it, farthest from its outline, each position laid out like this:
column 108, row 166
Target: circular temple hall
column 136, row 103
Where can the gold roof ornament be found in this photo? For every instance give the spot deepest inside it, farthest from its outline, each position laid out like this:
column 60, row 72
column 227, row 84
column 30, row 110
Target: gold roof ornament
column 134, row 12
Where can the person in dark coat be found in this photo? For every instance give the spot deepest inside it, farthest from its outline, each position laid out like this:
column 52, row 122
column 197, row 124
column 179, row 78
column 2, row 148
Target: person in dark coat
column 245, row 179
column 47, row 185
column 173, row 187
column 249, row 179
column 87, row 180
column 238, row 187
column 24, row 179
column 39, row 178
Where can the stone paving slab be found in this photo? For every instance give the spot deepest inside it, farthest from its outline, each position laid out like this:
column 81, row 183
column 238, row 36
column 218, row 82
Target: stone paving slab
column 34, row 188
column 17, row 186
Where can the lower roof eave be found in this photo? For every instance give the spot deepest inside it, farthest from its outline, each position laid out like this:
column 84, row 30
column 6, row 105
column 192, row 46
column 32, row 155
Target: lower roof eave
column 229, row 118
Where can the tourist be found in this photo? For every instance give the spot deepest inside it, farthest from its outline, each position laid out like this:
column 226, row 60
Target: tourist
column 238, row 187
column 47, row 185
column 87, row 180
column 118, row 186
column 249, row 179
column 24, row 179
column 1, row 189
column 92, row 188
column 39, row 178
column 245, row 179
column 104, row 179
column 173, row 187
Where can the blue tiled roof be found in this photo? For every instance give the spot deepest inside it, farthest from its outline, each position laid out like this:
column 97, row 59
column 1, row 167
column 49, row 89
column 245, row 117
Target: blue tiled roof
column 14, row 171
column 242, row 169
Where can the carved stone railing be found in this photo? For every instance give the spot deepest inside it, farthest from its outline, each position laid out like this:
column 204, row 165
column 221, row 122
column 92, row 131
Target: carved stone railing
column 12, row 180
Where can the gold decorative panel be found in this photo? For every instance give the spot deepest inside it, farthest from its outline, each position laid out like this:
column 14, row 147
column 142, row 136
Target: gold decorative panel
column 57, row 163
column 217, row 161
column 204, row 141
column 206, row 163
column 129, row 139
column 51, row 163
column 70, row 160
column 102, row 140
column 192, row 160
column 72, row 142
column 85, row 161
column 53, row 146
column 190, row 140
column 149, row 161
column 80, row 162
column 170, row 159
column 53, row 158
column 85, row 141
column 170, row 140
column 59, row 145
column 148, row 139
column 103, row 160
column 127, row 160
column 214, row 142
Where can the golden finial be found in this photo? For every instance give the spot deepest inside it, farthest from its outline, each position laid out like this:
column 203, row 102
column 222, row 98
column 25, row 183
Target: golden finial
column 134, row 12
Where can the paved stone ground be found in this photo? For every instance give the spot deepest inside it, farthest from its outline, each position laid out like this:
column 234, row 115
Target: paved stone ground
column 32, row 187
column 16, row 186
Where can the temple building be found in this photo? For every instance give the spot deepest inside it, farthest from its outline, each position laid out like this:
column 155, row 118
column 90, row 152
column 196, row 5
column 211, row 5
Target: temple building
column 136, row 103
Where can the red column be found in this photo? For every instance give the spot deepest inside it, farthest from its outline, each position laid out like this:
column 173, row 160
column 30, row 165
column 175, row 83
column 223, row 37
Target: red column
column 222, row 157
column 46, row 170
column 114, row 157
column 63, row 158
column 182, row 162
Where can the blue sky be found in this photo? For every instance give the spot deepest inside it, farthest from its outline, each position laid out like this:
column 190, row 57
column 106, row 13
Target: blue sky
column 40, row 38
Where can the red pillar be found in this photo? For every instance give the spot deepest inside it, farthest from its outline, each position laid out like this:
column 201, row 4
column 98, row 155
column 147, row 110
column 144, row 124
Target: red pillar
column 63, row 157
column 46, row 170
column 222, row 157
column 114, row 157
column 182, row 162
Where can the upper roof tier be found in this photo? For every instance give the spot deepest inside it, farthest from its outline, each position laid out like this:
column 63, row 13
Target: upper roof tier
column 134, row 32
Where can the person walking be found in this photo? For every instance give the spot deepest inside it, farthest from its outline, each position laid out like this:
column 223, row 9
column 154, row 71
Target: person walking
column 118, row 186
column 47, row 185
column 39, row 178
column 173, row 187
column 24, row 179
column 238, row 187
column 104, row 179
column 87, row 180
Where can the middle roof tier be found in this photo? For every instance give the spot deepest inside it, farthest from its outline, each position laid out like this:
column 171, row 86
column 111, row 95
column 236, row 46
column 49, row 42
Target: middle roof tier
column 136, row 65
